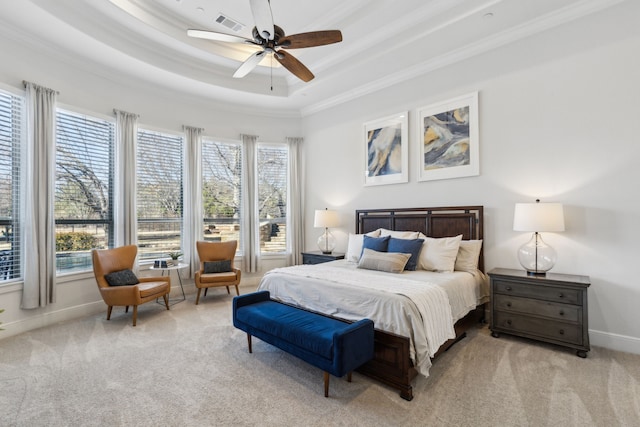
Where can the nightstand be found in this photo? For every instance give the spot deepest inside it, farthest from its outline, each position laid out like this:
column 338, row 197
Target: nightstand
column 550, row 308
column 318, row 257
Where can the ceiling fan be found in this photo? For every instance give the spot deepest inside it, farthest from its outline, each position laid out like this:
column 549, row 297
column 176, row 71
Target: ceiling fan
column 272, row 40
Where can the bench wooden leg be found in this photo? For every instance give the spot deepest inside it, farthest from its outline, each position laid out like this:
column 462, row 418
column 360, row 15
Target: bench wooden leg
column 249, row 342
column 349, row 376
column 198, row 296
column 326, row 384
column 166, row 301
column 109, row 312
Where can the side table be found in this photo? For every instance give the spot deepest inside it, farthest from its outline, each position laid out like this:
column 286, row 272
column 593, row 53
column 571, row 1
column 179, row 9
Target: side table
column 168, row 270
column 317, row 257
column 550, row 308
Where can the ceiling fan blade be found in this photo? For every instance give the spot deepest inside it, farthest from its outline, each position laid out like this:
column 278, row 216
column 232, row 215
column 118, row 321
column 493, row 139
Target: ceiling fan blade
column 249, row 64
column 221, row 37
column 289, row 62
column 314, row 38
column 261, row 10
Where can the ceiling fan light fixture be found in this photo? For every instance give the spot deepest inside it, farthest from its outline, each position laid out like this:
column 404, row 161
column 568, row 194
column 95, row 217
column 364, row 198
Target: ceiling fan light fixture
column 271, row 38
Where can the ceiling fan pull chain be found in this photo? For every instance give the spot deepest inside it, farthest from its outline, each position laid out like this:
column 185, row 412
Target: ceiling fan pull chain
column 271, row 66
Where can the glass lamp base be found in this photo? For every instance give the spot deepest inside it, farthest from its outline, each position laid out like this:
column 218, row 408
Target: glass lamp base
column 536, row 256
column 326, row 242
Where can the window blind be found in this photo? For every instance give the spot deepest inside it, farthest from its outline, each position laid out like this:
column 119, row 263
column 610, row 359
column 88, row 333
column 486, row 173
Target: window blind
column 272, row 174
column 11, row 120
column 159, row 193
column 83, row 189
column 222, row 191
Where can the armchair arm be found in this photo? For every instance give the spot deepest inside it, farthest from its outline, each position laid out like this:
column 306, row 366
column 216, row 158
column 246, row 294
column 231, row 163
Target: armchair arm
column 121, row 295
column 155, row 279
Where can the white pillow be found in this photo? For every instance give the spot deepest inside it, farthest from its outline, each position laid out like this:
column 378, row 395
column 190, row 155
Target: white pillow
column 398, row 234
column 468, row 255
column 439, row 254
column 354, row 246
column 390, row 262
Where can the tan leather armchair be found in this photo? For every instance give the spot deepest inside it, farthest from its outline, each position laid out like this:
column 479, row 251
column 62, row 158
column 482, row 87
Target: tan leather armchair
column 216, row 251
column 107, row 261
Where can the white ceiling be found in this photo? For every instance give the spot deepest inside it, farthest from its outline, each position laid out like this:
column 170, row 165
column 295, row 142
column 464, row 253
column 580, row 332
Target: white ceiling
column 384, row 41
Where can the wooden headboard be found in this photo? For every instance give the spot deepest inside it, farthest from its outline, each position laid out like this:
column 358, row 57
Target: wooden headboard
column 432, row 222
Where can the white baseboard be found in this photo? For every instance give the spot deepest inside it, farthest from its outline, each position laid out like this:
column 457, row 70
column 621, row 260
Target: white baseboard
column 614, row 341
column 49, row 318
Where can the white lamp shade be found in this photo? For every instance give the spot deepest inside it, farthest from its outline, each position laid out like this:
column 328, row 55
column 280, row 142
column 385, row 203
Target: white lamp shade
column 326, row 219
column 538, row 217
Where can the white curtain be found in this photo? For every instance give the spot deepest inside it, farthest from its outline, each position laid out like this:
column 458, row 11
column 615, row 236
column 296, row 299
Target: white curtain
column 296, row 200
column 38, row 189
column 192, row 197
column 250, row 218
column 125, row 219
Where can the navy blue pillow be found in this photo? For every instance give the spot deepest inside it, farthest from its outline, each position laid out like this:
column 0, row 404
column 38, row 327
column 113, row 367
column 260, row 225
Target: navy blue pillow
column 375, row 243
column 121, row 278
column 217, row 266
column 407, row 246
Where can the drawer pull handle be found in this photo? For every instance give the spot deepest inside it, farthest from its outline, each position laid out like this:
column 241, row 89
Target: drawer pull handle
column 560, row 295
column 508, row 288
column 509, row 322
column 508, row 304
column 561, row 331
column 561, row 312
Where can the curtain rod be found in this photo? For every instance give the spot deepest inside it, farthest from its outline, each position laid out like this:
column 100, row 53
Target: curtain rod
column 25, row 83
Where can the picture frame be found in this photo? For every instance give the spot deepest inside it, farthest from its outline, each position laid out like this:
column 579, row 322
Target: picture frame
column 386, row 150
column 447, row 137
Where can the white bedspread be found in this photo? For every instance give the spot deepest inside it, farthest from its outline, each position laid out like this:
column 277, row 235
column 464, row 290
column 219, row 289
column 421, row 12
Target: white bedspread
column 422, row 306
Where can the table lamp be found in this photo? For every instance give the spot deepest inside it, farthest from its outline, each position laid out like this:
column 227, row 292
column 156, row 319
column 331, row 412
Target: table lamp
column 326, row 218
column 536, row 256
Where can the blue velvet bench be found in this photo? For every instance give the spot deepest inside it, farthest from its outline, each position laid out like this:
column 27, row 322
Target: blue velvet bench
column 330, row 344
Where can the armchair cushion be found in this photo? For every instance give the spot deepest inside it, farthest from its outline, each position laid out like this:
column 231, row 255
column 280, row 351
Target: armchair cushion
column 121, row 278
column 217, row 266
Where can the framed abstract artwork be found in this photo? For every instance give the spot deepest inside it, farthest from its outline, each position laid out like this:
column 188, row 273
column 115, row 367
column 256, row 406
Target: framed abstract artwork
column 387, row 150
column 448, row 139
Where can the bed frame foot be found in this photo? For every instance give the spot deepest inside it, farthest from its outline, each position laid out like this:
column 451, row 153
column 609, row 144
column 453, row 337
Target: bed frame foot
column 407, row 394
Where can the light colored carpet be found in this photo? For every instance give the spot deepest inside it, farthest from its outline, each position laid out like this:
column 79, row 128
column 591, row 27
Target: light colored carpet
column 190, row 367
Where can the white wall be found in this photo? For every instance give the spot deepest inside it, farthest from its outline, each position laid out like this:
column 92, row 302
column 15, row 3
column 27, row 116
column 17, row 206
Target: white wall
column 77, row 295
column 558, row 121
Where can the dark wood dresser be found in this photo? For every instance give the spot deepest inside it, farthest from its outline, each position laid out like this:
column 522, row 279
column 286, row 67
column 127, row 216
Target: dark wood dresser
column 318, row 257
column 550, row 308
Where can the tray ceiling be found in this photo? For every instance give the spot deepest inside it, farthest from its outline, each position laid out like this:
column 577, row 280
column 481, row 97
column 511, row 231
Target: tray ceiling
column 384, row 42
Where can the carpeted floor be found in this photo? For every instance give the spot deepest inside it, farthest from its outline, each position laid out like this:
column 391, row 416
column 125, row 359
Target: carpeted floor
column 190, row 367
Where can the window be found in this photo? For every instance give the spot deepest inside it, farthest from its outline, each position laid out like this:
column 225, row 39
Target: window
column 159, row 194
column 10, row 137
column 272, row 163
column 222, row 191
column 83, row 189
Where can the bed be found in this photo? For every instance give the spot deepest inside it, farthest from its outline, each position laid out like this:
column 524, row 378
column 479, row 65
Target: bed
column 414, row 312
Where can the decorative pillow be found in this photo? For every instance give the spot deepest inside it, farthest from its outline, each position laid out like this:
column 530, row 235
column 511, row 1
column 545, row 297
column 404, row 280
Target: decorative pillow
column 407, row 246
column 399, row 234
column 468, row 255
column 439, row 254
column 354, row 247
column 217, row 266
column 375, row 243
column 391, row 262
column 121, row 278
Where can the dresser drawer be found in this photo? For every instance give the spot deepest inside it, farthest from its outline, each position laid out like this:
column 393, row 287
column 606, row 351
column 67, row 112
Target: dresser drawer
column 552, row 310
column 550, row 329
column 557, row 294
